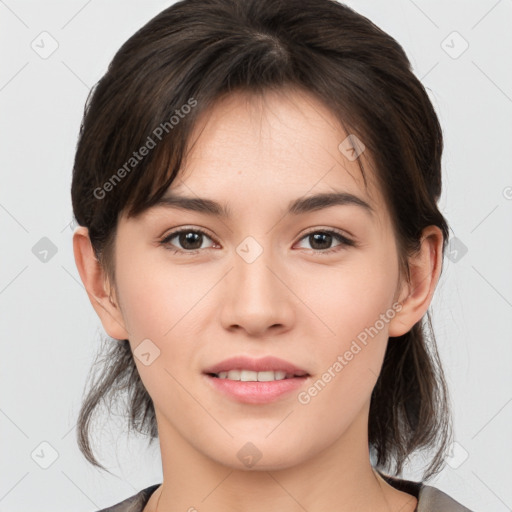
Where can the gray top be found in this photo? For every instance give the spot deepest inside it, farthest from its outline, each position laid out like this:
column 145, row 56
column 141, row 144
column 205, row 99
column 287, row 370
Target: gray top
column 430, row 499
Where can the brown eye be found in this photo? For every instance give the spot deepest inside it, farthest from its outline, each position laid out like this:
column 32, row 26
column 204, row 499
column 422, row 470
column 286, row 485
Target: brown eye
column 322, row 240
column 186, row 240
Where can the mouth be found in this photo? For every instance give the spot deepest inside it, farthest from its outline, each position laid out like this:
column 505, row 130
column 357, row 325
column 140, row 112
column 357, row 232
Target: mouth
column 255, row 381
column 253, row 376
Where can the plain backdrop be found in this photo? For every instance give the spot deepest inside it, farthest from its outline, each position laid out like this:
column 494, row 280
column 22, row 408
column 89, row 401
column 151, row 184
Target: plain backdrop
column 461, row 51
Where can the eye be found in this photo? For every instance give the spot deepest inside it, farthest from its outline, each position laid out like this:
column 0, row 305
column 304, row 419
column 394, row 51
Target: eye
column 321, row 240
column 190, row 240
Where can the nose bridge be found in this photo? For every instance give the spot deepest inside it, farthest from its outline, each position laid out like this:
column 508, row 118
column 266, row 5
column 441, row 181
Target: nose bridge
column 253, row 277
column 256, row 299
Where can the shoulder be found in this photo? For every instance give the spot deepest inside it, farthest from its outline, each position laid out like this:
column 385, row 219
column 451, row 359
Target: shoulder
column 432, row 499
column 135, row 503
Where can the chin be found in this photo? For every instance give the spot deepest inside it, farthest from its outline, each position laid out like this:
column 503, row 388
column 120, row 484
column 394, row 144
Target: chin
column 261, row 455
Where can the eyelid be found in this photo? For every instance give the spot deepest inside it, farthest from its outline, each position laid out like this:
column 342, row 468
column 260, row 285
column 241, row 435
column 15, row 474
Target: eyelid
column 343, row 238
column 165, row 239
column 192, row 227
column 340, row 232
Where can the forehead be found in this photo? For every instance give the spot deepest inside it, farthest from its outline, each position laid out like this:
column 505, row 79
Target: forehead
column 275, row 153
column 275, row 139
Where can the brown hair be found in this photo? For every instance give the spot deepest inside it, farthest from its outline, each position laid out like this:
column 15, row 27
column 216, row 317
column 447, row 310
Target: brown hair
column 193, row 53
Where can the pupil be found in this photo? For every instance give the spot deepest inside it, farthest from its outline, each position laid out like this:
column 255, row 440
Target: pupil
column 317, row 237
column 193, row 240
column 190, row 238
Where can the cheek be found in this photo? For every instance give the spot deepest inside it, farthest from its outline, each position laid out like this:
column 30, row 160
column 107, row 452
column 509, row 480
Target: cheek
column 162, row 306
column 349, row 299
column 157, row 297
column 167, row 305
column 354, row 306
column 350, row 360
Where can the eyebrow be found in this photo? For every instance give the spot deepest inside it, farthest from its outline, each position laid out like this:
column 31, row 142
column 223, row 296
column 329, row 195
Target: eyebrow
column 296, row 207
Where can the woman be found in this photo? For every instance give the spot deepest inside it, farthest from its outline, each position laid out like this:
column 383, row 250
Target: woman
column 255, row 185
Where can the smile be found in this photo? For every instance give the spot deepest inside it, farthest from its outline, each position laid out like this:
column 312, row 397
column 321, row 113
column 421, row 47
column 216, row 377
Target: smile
column 252, row 376
column 255, row 381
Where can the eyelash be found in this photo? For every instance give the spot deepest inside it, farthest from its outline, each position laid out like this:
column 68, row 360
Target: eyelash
column 344, row 241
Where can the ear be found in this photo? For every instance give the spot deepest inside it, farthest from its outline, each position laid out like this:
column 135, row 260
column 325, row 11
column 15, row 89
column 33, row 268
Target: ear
column 425, row 269
column 97, row 286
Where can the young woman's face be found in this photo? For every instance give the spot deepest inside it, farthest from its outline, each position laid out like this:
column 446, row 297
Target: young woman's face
column 314, row 287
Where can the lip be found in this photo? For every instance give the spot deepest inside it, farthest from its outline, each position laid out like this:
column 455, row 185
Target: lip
column 256, row 365
column 256, row 392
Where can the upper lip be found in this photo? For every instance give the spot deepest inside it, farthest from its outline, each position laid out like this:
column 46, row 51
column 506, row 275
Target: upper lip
column 268, row 363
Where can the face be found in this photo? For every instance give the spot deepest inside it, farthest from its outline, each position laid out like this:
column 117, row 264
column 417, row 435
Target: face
column 307, row 293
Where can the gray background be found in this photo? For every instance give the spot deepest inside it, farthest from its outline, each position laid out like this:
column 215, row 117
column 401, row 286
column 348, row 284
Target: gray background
column 50, row 332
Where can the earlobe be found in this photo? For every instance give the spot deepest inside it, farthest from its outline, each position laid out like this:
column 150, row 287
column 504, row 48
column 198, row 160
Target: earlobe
column 416, row 296
column 96, row 285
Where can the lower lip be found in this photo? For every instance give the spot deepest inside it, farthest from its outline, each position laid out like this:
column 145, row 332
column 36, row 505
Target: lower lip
column 256, row 392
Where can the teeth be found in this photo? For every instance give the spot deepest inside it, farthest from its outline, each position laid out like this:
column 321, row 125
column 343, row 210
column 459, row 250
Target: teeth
column 250, row 376
column 246, row 376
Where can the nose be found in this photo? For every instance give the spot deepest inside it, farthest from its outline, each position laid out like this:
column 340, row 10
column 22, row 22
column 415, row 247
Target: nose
column 257, row 297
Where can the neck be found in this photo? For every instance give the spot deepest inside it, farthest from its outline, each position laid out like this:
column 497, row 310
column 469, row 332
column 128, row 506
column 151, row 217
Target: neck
column 339, row 478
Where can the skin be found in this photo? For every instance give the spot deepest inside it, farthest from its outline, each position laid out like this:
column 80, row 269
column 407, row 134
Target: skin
column 256, row 155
